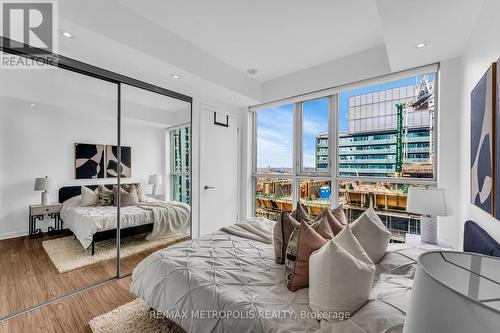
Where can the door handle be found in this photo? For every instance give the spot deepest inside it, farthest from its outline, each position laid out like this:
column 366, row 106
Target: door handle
column 206, row 187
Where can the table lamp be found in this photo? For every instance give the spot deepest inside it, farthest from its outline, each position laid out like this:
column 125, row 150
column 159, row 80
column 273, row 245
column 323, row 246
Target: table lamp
column 44, row 185
column 430, row 203
column 154, row 180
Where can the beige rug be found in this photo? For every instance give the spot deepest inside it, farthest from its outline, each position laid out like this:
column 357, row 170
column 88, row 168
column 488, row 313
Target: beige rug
column 133, row 317
column 68, row 254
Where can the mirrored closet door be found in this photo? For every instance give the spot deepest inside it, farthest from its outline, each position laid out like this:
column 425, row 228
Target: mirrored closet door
column 156, row 187
column 58, row 129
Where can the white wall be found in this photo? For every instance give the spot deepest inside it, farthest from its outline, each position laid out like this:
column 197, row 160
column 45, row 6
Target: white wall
column 37, row 142
column 482, row 49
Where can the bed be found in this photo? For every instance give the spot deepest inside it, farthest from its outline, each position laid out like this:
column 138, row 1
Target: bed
column 199, row 283
column 94, row 224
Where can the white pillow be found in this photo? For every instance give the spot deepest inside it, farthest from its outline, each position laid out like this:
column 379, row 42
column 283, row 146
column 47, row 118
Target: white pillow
column 372, row 234
column 89, row 197
column 73, row 202
column 340, row 277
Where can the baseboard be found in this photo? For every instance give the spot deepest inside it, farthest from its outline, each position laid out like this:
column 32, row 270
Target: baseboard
column 13, row 234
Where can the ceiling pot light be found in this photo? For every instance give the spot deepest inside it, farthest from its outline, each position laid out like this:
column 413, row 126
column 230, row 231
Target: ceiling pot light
column 252, row 71
column 67, row 34
column 422, row 44
column 32, row 104
column 175, row 76
column 233, row 98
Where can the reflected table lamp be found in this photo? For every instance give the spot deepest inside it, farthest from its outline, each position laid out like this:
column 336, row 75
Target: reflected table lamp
column 430, row 203
column 44, row 185
column 154, row 180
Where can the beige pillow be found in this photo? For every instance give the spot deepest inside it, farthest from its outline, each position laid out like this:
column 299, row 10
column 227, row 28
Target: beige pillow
column 300, row 213
column 303, row 241
column 127, row 197
column 282, row 231
column 138, row 188
column 105, row 196
column 335, row 224
column 372, row 234
column 340, row 276
column 89, row 197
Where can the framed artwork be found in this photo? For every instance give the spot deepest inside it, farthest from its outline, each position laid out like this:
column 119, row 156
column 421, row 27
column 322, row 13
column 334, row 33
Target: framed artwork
column 112, row 162
column 482, row 171
column 496, row 166
column 89, row 161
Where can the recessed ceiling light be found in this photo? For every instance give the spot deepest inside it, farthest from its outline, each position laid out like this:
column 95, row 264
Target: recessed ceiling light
column 67, row 34
column 32, row 104
column 175, row 76
column 252, row 71
column 422, row 44
column 233, row 98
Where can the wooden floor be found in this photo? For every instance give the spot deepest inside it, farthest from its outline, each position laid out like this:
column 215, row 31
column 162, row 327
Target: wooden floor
column 28, row 277
column 72, row 314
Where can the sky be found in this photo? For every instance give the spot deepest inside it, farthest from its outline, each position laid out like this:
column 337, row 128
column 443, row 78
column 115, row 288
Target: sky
column 275, row 126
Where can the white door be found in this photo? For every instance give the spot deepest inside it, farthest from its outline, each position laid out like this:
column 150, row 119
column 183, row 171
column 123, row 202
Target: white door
column 219, row 166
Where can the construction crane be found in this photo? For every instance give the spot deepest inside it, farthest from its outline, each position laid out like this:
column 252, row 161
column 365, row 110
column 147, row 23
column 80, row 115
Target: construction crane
column 424, row 101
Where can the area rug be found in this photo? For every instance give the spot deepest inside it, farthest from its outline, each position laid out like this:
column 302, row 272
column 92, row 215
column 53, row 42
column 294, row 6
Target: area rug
column 133, row 317
column 68, row 254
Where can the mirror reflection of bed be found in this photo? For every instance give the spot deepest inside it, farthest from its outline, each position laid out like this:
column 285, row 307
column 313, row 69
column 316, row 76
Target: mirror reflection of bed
column 59, row 138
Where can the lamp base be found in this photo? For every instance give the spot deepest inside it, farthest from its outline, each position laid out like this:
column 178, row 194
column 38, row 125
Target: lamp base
column 155, row 190
column 428, row 229
column 45, row 198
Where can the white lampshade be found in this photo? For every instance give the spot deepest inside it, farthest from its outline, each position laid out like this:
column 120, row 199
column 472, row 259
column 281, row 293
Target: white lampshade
column 44, row 184
column 426, row 201
column 154, row 180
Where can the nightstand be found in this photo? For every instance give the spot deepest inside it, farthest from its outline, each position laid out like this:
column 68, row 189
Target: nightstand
column 38, row 212
column 161, row 197
column 416, row 240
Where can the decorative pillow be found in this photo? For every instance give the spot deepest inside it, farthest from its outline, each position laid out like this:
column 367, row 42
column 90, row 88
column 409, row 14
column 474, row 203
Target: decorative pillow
column 372, row 234
column 282, row 231
column 105, row 196
column 89, row 197
column 300, row 213
column 127, row 197
column 335, row 224
column 303, row 241
column 340, row 276
column 138, row 188
column 338, row 213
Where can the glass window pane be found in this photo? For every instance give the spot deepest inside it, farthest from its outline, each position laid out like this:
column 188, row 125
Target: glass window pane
column 315, row 195
column 181, row 188
column 388, row 200
column 273, row 196
column 275, row 140
column 417, row 115
column 315, row 135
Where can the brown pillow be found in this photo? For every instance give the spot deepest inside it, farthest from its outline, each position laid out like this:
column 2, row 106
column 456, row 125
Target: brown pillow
column 106, row 197
column 282, row 231
column 304, row 241
column 300, row 213
column 339, row 214
column 127, row 197
column 334, row 223
column 138, row 188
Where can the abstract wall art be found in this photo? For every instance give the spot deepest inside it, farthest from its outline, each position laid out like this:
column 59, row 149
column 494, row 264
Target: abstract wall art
column 89, row 161
column 496, row 165
column 482, row 168
column 112, row 162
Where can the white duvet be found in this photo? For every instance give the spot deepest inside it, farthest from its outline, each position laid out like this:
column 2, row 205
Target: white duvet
column 225, row 283
column 84, row 222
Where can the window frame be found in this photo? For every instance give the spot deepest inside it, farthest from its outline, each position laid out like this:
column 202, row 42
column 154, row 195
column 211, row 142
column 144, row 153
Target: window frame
column 333, row 137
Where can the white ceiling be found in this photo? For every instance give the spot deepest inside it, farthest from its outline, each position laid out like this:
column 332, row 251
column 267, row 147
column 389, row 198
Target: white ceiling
column 276, row 37
column 212, row 43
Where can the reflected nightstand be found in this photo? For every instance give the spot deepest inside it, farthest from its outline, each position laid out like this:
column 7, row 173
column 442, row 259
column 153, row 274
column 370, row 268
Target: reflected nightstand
column 161, row 197
column 38, row 212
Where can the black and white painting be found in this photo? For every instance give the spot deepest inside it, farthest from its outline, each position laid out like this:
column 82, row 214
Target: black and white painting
column 482, row 143
column 112, row 162
column 89, row 161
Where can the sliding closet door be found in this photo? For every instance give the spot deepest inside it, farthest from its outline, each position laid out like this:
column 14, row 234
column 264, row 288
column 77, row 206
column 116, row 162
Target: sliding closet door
column 57, row 129
column 155, row 174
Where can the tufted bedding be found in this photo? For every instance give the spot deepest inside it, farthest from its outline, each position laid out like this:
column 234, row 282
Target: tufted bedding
column 225, row 283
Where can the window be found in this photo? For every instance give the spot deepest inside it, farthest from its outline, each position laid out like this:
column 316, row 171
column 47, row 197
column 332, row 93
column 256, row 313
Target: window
column 315, row 136
column 383, row 141
column 181, row 165
column 275, row 140
column 399, row 135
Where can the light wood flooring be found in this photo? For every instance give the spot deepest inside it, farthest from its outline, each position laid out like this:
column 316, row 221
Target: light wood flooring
column 28, row 277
